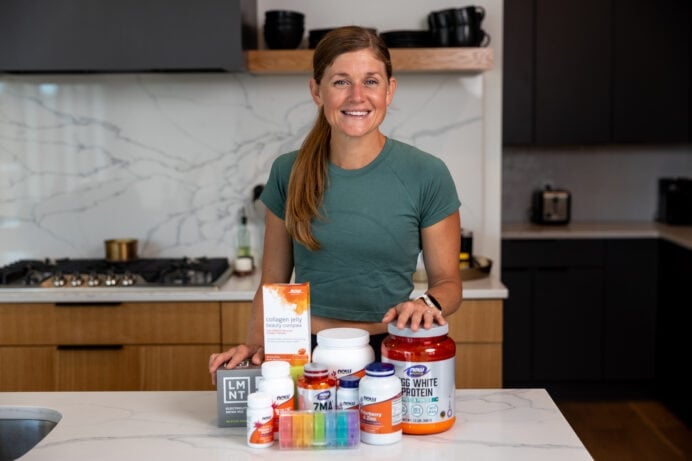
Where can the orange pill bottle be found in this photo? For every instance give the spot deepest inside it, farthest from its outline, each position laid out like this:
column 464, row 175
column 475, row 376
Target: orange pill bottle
column 424, row 360
column 316, row 389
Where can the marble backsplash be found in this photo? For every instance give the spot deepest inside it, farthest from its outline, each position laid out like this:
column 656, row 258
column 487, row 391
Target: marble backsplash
column 171, row 159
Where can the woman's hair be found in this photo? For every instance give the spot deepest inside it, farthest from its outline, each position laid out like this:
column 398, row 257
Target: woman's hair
column 309, row 174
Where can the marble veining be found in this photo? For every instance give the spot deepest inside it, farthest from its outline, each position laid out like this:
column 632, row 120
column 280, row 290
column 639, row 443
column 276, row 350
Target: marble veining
column 499, row 424
column 170, row 159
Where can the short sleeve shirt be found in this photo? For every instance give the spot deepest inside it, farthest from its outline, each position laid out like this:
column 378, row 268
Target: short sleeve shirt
column 369, row 229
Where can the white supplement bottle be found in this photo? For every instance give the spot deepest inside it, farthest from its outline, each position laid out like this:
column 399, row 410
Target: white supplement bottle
column 260, row 429
column 277, row 382
column 345, row 351
column 347, row 392
column 380, row 405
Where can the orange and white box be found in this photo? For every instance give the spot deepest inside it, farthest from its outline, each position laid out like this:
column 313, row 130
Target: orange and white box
column 287, row 323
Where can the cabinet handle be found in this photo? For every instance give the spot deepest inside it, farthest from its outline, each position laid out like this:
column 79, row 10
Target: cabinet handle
column 87, row 347
column 89, row 304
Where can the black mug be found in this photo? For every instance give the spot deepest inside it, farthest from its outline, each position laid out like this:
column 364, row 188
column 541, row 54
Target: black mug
column 472, row 15
column 458, row 27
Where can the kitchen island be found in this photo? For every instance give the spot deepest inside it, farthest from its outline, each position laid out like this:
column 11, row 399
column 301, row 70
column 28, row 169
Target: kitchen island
column 498, row 424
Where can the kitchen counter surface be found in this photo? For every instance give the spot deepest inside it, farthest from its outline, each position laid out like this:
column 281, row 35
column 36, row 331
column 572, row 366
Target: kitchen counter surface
column 503, row 424
column 235, row 289
column 681, row 235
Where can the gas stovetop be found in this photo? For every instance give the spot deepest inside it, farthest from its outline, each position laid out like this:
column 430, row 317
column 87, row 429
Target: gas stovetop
column 98, row 273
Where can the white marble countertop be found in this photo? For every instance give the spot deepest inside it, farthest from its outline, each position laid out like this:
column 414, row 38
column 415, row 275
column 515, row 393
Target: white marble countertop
column 235, row 289
column 502, row 424
column 681, row 235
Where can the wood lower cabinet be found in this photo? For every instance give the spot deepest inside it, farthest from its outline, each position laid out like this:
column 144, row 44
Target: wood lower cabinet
column 165, row 346
column 108, row 347
column 26, row 368
column 234, row 320
column 476, row 329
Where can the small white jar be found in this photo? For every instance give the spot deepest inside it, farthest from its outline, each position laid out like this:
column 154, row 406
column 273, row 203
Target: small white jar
column 345, row 351
column 260, row 416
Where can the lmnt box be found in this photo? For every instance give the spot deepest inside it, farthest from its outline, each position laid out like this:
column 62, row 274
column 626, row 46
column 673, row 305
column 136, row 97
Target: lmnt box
column 232, row 388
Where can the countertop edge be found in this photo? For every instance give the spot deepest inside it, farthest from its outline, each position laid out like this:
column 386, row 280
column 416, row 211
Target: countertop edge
column 680, row 235
column 235, row 289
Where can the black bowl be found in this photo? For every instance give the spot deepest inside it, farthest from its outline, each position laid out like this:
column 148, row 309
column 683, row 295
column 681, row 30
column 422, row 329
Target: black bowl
column 284, row 15
column 283, row 37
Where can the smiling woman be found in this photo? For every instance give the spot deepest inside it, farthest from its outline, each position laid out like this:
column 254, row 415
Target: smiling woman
column 351, row 210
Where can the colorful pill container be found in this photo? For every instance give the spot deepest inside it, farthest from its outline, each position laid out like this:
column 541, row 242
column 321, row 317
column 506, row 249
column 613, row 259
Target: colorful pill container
column 424, row 361
column 319, row 429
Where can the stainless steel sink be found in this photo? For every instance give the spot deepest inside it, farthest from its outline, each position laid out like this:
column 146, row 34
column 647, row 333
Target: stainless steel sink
column 21, row 428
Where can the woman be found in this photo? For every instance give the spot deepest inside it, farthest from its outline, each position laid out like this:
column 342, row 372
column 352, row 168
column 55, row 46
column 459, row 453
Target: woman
column 351, row 210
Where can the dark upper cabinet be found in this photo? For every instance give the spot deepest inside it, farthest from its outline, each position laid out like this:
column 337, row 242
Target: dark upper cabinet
column 651, row 70
column 593, row 72
column 573, row 74
column 518, row 81
column 125, row 35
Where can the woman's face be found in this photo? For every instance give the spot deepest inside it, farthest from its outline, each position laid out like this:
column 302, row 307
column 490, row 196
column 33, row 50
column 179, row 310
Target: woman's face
column 354, row 94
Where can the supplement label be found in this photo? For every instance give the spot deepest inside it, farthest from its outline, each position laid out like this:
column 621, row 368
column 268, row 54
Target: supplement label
column 346, row 398
column 427, row 390
column 382, row 417
column 260, row 429
column 317, row 399
column 287, row 322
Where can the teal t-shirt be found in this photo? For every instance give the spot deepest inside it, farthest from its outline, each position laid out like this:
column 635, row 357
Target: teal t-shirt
column 370, row 231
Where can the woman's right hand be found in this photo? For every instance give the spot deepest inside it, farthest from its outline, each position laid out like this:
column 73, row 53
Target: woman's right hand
column 233, row 356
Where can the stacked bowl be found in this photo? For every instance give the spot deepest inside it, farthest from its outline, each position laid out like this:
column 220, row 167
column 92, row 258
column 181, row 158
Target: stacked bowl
column 283, row 29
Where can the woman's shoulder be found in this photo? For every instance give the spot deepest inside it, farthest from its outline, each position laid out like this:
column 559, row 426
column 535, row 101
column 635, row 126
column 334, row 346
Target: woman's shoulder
column 284, row 162
column 409, row 155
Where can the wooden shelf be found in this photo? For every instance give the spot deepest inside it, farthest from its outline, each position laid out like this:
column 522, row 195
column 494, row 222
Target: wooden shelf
column 403, row 60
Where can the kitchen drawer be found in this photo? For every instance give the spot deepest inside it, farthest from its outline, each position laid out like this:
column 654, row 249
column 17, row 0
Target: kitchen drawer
column 137, row 323
column 547, row 253
column 234, row 321
column 27, row 324
column 27, row 369
column 133, row 368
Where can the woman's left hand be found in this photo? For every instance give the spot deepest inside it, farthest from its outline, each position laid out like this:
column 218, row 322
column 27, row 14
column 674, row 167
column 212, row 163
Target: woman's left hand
column 414, row 313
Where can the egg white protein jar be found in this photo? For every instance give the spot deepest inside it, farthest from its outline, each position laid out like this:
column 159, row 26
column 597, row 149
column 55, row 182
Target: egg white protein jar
column 379, row 394
column 345, row 351
column 425, row 363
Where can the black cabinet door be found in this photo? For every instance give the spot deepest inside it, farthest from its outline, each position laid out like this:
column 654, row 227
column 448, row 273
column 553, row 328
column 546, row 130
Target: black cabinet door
column 517, row 327
column 573, row 71
column 630, row 309
column 651, row 70
column 673, row 330
column 568, row 326
column 518, row 72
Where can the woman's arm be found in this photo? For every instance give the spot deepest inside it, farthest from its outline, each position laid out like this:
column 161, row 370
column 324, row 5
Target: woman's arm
column 441, row 245
column 277, row 267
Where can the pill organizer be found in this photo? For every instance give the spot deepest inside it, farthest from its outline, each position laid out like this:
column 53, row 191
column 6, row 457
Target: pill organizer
column 309, row 430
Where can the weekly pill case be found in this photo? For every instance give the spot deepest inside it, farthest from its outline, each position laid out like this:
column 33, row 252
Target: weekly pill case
column 309, row 430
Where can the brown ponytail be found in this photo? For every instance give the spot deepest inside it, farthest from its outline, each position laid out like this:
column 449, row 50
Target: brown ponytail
column 308, row 179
